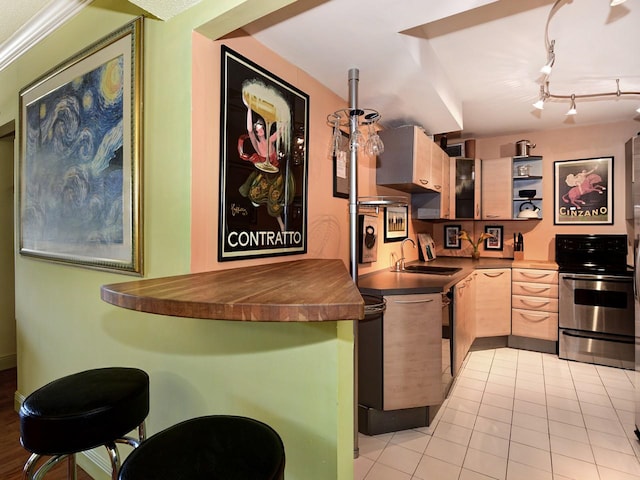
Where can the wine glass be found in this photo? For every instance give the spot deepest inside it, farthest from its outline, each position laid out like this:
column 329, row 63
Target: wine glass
column 338, row 141
column 374, row 145
column 357, row 140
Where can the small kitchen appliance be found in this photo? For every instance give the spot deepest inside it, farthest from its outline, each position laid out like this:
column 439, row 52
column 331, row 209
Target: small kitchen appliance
column 528, row 193
column 523, row 170
column 528, row 210
column 523, row 148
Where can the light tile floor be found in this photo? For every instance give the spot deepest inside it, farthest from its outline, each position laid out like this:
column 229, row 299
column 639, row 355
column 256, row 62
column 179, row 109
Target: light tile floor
column 517, row 415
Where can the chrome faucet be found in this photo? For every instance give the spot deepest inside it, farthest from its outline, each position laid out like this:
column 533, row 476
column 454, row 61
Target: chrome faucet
column 400, row 263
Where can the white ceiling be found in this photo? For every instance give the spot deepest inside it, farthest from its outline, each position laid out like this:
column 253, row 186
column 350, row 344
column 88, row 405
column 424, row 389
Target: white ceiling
column 470, row 65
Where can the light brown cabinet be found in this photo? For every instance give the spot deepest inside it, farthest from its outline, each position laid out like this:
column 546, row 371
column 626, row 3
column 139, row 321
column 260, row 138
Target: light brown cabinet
column 534, row 303
column 432, row 205
column 503, row 181
column 464, row 321
column 441, row 159
column 400, row 357
column 496, row 189
column 632, row 172
column 412, row 351
column 493, row 302
column 408, row 162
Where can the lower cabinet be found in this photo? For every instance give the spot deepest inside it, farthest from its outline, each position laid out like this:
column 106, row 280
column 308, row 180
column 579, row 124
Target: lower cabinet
column 534, row 303
column 493, row 305
column 464, row 319
column 400, row 364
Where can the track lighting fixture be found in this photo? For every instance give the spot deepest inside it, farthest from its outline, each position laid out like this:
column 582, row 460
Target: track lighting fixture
column 543, row 96
column 551, row 58
column 545, row 93
column 572, row 109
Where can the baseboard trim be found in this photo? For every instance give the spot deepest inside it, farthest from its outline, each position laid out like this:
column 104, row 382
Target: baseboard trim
column 18, row 398
column 8, row 361
column 97, row 466
column 535, row 344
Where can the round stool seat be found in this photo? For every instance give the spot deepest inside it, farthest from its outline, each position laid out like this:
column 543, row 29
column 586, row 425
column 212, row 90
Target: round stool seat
column 217, row 446
column 84, row 410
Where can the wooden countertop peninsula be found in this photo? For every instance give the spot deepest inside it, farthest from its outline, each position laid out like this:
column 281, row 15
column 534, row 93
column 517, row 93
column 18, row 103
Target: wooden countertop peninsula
column 297, row 291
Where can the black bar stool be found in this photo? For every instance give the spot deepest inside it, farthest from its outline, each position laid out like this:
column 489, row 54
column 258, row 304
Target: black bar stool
column 218, row 446
column 80, row 412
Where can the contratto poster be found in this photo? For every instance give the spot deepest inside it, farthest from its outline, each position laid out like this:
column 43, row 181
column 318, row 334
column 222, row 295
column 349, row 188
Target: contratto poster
column 263, row 162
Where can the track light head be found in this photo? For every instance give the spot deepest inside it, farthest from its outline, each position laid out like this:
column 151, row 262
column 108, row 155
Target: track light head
column 572, row 109
column 551, row 58
column 540, row 103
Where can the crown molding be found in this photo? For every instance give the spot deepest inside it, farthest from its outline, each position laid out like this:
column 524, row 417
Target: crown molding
column 52, row 16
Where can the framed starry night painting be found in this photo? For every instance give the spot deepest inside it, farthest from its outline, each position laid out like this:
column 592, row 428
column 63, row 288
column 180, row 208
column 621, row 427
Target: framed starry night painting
column 80, row 157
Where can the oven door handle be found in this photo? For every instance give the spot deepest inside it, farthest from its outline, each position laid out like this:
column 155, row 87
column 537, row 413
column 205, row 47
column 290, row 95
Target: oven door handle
column 595, row 336
column 596, row 278
column 635, row 273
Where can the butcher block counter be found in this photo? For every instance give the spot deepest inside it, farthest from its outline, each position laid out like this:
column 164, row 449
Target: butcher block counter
column 298, row 291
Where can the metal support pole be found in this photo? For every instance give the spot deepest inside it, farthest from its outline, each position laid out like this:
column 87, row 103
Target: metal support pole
column 354, row 78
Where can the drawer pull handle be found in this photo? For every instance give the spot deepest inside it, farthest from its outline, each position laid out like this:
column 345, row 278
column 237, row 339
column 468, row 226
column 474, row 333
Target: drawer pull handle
column 426, row 300
column 424, row 182
column 534, row 318
column 534, row 304
column 535, row 290
column 492, row 275
column 537, row 277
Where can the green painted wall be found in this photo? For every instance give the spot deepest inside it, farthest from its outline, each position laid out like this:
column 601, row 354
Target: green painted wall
column 7, row 302
column 296, row 377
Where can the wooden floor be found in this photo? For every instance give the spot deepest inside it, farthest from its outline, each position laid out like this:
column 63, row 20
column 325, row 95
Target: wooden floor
column 12, row 455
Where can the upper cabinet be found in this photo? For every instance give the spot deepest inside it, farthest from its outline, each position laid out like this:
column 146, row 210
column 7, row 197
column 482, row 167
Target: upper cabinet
column 496, row 189
column 511, row 186
column 465, row 188
column 632, row 171
column 432, row 204
column 408, row 162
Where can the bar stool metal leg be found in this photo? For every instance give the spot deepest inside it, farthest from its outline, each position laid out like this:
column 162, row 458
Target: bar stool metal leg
column 72, row 470
column 31, row 471
column 115, row 460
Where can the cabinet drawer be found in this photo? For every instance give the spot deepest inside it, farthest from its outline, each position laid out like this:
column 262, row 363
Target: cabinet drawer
column 534, row 275
column 541, row 304
column 548, row 290
column 534, row 324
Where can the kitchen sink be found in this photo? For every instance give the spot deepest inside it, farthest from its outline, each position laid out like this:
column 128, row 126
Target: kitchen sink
column 432, row 270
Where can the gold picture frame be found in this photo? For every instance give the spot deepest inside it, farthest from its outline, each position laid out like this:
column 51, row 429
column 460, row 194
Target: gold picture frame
column 80, row 133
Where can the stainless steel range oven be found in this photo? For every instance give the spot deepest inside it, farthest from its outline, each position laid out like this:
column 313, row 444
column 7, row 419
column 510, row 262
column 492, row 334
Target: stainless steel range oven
column 596, row 305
